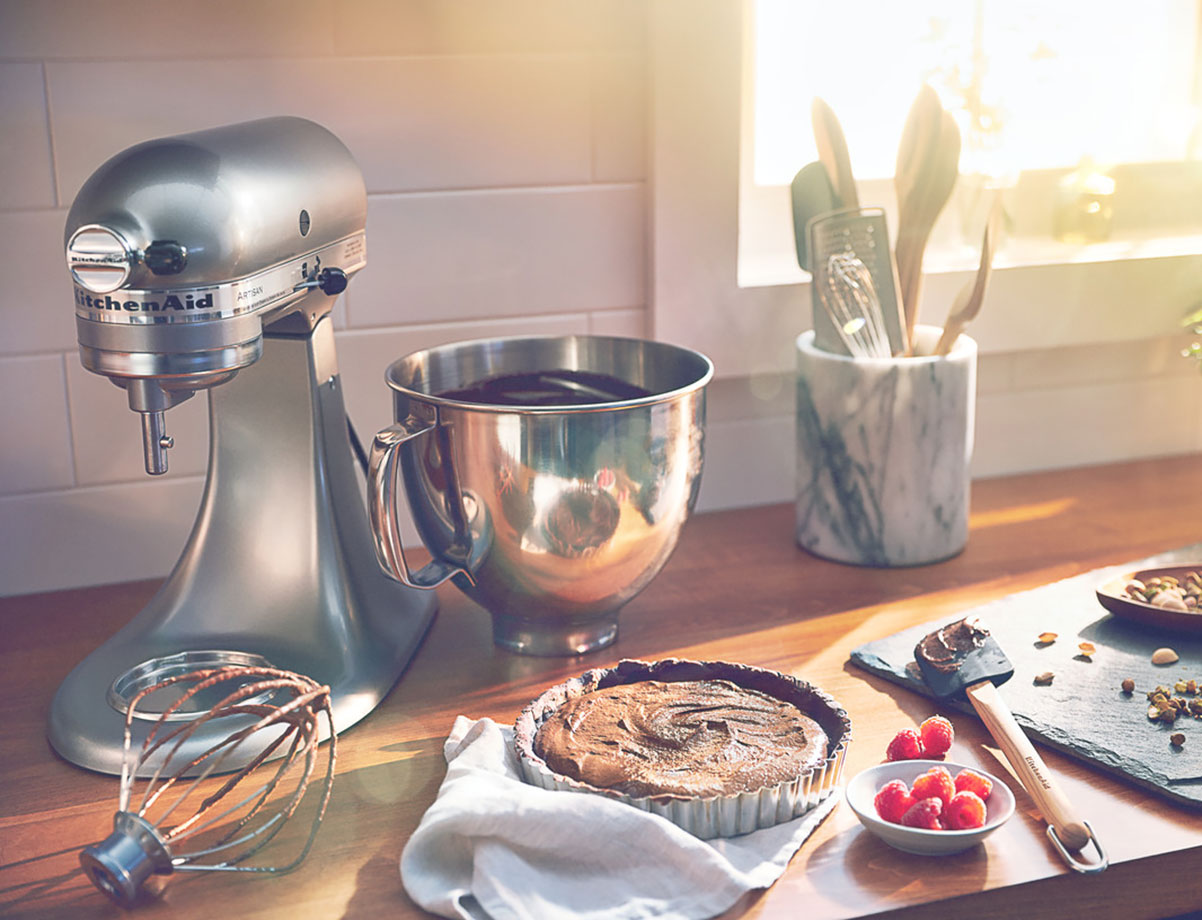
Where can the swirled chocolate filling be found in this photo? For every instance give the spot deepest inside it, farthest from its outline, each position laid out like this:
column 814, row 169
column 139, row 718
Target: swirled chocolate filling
column 689, row 738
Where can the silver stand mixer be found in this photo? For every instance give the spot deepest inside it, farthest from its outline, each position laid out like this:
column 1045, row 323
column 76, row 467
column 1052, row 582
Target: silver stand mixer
column 211, row 261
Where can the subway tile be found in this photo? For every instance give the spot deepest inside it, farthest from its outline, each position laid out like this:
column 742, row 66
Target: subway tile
column 412, row 124
column 365, row 355
column 734, row 399
column 619, row 25
column 133, row 29
column 628, row 323
column 338, row 312
column 484, row 26
column 619, row 118
column 995, row 373
column 37, row 311
column 24, row 137
column 1055, row 428
column 98, row 535
column 458, row 256
column 1100, row 363
column 107, row 434
column 749, row 462
column 35, row 449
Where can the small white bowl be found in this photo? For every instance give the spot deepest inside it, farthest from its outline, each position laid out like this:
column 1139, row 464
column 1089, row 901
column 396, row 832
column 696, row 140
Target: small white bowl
column 863, row 789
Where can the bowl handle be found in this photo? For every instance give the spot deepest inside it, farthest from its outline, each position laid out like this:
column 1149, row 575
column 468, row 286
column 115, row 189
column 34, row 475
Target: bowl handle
column 381, row 507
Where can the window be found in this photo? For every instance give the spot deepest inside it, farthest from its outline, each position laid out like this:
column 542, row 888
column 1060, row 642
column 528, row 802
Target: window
column 1033, row 85
column 744, row 304
column 1052, row 99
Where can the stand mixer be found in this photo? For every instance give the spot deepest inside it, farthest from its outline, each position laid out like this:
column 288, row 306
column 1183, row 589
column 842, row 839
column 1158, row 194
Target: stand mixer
column 211, row 261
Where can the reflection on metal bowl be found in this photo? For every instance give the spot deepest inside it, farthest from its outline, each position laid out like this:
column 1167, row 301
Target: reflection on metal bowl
column 580, row 521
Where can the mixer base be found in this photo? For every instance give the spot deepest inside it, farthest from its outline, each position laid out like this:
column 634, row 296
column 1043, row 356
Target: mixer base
column 279, row 566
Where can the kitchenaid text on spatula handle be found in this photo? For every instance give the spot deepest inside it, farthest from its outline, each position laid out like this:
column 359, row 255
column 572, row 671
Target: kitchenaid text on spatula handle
column 1028, row 765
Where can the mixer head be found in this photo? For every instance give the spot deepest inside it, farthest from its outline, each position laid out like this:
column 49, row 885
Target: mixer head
column 183, row 249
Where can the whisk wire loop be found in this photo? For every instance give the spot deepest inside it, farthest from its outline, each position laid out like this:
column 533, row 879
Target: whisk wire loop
column 265, row 700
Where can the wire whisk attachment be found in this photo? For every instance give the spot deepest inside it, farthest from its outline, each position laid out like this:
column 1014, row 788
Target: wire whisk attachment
column 851, row 300
column 854, row 292
column 163, row 829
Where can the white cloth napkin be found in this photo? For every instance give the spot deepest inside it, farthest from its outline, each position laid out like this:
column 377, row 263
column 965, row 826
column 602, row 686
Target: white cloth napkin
column 492, row 847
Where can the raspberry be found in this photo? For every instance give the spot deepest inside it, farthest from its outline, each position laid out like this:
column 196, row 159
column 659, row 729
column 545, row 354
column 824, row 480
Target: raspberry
column 893, row 800
column 935, row 783
column 906, row 745
column 971, row 781
column 924, row 813
column 937, row 736
column 964, row 811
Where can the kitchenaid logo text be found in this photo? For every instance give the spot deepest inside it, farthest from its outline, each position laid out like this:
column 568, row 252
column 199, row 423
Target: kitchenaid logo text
column 170, row 302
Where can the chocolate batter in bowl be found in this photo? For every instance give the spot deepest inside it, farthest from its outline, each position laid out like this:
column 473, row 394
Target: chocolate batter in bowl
column 719, row 749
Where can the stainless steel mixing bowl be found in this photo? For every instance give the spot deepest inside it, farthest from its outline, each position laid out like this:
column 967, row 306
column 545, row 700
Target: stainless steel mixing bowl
column 552, row 517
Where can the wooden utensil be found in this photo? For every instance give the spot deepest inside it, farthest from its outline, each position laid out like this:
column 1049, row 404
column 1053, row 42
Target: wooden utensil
column 812, row 194
column 832, row 152
column 919, row 137
column 962, row 657
column 925, row 186
column 968, row 302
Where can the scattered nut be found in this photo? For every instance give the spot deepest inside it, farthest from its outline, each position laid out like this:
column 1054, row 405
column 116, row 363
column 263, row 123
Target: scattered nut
column 1128, row 685
column 1164, row 656
column 1046, row 638
column 1177, row 739
column 1044, row 679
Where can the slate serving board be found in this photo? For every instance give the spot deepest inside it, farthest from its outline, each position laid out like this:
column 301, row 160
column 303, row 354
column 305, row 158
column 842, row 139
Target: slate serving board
column 1083, row 712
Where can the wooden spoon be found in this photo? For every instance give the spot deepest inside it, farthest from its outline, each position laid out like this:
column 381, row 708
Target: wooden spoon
column 832, row 152
column 919, row 137
column 927, row 187
column 968, row 302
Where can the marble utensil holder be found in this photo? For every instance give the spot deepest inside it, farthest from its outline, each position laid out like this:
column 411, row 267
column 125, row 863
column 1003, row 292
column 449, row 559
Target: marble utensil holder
column 884, row 447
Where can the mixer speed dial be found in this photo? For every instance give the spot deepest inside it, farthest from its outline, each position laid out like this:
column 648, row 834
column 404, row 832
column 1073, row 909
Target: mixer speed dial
column 100, row 258
column 165, row 257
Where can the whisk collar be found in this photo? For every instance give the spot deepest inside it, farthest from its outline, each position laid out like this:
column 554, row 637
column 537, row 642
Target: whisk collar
column 123, row 861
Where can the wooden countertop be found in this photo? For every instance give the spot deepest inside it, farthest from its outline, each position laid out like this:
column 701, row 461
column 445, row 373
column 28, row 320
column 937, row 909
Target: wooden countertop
column 737, row 588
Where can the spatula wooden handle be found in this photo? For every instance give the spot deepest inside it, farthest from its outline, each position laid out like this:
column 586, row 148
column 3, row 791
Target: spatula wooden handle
column 1028, row 765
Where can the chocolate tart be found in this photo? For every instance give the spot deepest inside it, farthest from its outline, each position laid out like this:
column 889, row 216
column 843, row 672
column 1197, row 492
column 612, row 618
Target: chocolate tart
column 717, row 748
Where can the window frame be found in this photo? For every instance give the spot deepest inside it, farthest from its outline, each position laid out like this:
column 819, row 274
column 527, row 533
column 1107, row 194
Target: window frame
column 1094, row 296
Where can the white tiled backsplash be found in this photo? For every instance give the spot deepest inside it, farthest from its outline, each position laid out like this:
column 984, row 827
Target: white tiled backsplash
column 503, row 147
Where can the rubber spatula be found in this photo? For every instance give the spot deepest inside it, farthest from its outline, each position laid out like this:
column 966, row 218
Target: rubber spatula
column 963, row 658
column 813, row 195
